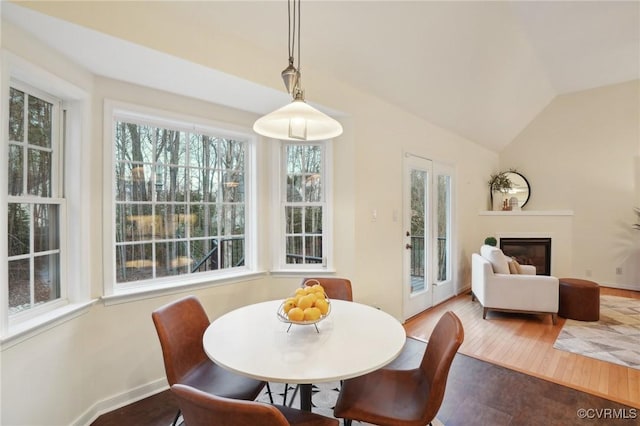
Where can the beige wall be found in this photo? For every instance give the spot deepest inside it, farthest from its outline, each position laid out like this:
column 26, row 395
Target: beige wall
column 580, row 154
column 110, row 355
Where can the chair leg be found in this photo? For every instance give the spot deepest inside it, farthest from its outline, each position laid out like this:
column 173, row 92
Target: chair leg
column 286, row 389
column 175, row 421
column 347, row 422
column 269, row 392
column 295, row 391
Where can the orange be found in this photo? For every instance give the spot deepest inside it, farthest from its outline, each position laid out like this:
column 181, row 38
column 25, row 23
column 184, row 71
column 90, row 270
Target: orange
column 289, row 304
column 301, row 291
column 313, row 297
column 311, row 314
column 296, row 314
column 305, row 302
column 322, row 305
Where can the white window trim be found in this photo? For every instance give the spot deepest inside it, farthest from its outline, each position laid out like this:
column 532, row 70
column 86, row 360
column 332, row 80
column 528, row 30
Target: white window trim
column 75, row 284
column 125, row 292
column 279, row 265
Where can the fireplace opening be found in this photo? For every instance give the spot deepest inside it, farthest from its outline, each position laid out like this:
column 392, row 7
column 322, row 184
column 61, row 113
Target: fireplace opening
column 529, row 251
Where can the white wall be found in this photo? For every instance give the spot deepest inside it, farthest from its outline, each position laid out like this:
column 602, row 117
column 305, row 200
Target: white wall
column 580, row 154
column 111, row 354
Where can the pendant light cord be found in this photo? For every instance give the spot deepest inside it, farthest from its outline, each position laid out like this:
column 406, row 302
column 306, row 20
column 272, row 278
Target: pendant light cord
column 291, row 36
column 299, row 25
column 294, row 23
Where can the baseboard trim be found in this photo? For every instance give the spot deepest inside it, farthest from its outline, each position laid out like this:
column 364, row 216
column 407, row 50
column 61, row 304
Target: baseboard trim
column 621, row 286
column 120, row 400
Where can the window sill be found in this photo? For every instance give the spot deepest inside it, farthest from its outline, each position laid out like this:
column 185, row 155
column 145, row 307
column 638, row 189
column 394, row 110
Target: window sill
column 25, row 330
column 134, row 294
column 302, row 272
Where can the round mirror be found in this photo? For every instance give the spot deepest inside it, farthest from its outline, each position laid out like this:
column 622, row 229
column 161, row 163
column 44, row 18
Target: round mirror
column 520, row 188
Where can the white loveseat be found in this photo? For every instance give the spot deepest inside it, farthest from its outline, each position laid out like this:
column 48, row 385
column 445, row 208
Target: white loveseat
column 497, row 289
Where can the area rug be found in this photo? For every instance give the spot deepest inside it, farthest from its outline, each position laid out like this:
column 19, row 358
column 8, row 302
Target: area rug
column 614, row 338
column 324, row 396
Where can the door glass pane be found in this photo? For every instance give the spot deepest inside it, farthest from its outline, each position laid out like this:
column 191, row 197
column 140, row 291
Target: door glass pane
column 443, row 226
column 418, row 211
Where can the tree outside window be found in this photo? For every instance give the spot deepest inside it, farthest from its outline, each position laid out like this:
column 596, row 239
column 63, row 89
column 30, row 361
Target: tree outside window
column 304, row 205
column 33, row 219
column 179, row 201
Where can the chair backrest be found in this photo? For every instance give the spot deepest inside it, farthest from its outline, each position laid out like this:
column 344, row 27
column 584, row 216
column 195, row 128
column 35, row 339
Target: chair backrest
column 335, row 288
column 180, row 326
column 446, row 338
column 205, row 409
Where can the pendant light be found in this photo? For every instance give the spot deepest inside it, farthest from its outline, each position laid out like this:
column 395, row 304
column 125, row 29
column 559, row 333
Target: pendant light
column 297, row 120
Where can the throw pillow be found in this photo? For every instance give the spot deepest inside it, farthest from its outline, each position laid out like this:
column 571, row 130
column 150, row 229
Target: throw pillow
column 498, row 260
column 514, row 266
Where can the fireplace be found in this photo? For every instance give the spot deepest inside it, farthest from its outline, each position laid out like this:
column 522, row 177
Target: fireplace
column 529, row 251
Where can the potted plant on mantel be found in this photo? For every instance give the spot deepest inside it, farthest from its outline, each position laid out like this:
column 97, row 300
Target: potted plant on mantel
column 499, row 183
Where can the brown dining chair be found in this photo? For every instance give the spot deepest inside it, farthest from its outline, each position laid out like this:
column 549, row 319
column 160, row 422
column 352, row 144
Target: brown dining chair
column 180, row 326
column 393, row 397
column 205, row 409
column 334, row 288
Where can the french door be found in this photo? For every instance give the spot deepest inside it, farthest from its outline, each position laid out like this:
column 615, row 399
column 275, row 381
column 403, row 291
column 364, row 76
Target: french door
column 428, row 231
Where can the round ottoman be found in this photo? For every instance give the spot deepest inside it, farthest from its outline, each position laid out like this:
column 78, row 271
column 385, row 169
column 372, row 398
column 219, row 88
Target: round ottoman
column 579, row 299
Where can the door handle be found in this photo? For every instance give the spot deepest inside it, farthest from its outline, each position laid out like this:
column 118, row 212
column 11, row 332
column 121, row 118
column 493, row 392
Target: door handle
column 408, row 246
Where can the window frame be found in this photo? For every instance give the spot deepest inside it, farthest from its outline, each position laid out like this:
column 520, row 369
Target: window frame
column 280, row 203
column 114, row 292
column 56, row 198
column 72, row 136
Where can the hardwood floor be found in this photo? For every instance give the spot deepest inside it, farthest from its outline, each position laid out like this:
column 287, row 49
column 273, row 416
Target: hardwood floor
column 525, row 343
column 484, row 394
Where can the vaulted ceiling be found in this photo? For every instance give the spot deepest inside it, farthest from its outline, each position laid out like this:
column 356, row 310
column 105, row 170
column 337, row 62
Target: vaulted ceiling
column 483, row 70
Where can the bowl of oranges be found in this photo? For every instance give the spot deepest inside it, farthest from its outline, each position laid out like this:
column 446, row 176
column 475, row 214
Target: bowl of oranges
column 309, row 305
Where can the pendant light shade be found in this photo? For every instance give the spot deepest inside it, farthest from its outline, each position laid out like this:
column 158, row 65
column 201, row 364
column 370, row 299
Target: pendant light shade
column 298, row 120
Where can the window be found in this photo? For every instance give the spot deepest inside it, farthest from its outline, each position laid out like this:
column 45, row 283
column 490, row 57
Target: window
column 34, row 200
column 305, row 215
column 44, row 268
column 181, row 196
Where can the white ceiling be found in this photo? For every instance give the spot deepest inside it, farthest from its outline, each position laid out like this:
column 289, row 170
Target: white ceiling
column 483, row 70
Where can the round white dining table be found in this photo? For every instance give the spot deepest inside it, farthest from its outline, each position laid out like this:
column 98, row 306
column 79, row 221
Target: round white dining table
column 354, row 339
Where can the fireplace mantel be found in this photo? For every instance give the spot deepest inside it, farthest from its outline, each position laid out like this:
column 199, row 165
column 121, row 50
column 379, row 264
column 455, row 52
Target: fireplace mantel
column 554, row 224
column 526, row 213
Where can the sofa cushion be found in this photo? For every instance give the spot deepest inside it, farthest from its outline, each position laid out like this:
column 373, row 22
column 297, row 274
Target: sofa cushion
column 499, row 262
column 514, row 266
